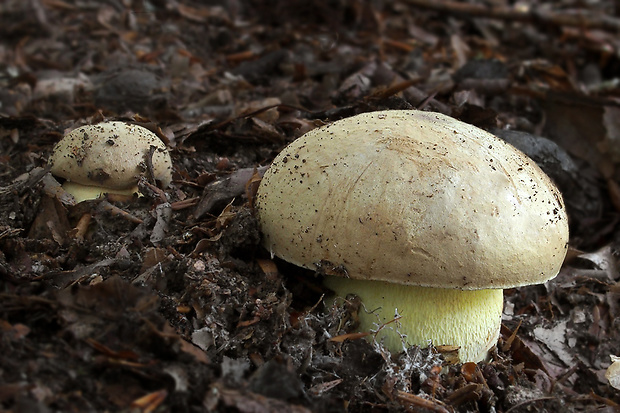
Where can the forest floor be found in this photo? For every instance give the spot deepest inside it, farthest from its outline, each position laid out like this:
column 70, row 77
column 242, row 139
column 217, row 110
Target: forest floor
column 107, row 306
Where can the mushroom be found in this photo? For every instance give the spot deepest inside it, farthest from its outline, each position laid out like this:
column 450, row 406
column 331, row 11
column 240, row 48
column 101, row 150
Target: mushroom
column 421, row 216
column 108, row 158
column 612, row 374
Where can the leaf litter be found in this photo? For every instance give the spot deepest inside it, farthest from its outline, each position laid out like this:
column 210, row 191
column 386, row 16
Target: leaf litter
column 168, row 302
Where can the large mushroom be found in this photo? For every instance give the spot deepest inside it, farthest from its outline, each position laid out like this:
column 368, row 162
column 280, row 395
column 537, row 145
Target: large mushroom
column 109, row 157
column 420, row 215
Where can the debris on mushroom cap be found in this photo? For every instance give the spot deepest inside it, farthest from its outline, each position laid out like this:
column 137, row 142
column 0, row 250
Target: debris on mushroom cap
column 416, row 198
column 110, row 155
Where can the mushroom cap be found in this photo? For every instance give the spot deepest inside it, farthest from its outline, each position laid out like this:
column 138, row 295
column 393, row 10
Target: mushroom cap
column 109, row 155
column 415, row 198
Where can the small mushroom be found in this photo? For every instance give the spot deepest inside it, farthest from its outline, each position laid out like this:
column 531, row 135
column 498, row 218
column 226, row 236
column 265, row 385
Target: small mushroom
column 612, row 374
column 419, row 215
column 108, row 158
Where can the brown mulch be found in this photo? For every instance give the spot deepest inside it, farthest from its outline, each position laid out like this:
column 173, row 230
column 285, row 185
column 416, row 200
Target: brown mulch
column 108, row 306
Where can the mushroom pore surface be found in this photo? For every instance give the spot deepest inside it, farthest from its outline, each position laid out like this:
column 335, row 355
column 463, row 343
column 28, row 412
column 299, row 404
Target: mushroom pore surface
column 414, row 198
column 109, row 157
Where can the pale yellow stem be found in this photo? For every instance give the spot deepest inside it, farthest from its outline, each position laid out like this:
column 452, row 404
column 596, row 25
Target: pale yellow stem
column 87, row 192
column 470, row 319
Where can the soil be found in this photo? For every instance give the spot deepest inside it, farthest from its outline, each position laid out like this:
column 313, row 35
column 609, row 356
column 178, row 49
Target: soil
column 168, row 302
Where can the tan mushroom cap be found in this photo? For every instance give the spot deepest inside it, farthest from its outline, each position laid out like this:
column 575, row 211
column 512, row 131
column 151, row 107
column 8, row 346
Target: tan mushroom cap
column 110, row 155
column 416, row 198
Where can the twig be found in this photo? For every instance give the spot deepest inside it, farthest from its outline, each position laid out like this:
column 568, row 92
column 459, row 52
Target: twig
column 114, row 210
column 581, row 19
column 411, row 399
column 471, row 391
column 526, row 402
column 186, row 203
column 148, row 159
column 10, row 232
column 82, row 226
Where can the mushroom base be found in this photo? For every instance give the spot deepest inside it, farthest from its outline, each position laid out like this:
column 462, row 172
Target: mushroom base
column 469, row 319
column 86, row 192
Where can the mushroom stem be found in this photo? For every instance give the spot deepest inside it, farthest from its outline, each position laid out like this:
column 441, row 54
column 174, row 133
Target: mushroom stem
column 470, row 319
column 84, row 192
